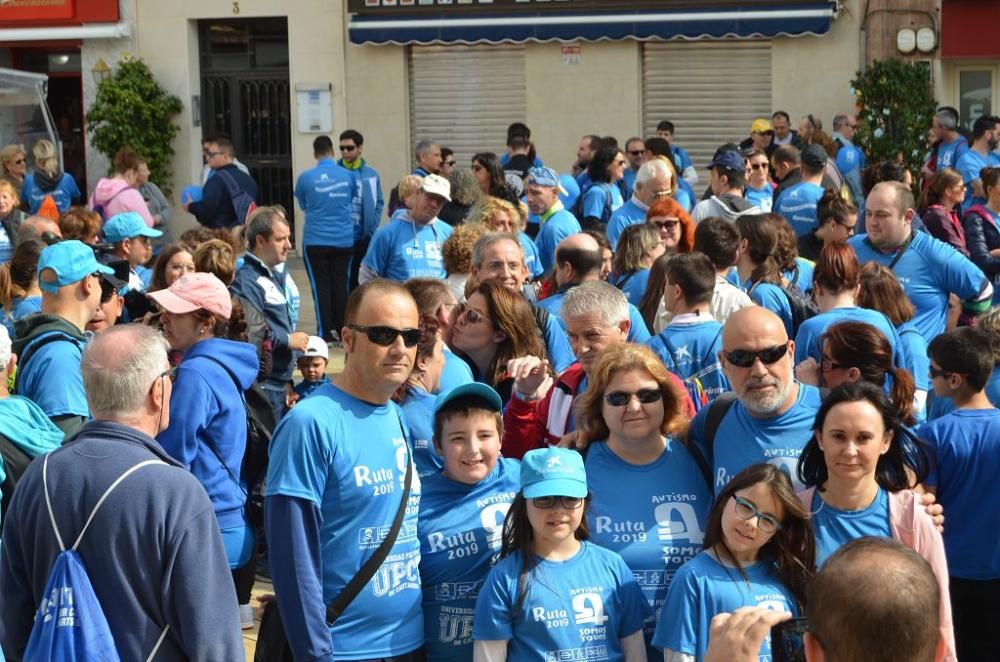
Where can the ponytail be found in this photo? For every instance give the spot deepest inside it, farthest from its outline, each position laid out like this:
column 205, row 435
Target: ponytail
column 7, row 289
column 901, row 393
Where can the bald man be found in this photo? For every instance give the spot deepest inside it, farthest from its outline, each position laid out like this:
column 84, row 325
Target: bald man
column 768, row 416
column 34, row 227
column 578, row 260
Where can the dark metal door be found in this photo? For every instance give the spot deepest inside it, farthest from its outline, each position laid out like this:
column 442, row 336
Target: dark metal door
column 250, row 101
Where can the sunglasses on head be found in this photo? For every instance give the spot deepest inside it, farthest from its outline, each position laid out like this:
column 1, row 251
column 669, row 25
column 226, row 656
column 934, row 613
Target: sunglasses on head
column 744, row 358
column 646, row 396
column 386, row 335
column 548, row 502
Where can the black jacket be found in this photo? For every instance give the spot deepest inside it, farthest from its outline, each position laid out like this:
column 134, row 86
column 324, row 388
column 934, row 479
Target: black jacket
column 982, row 236
column 216, row 208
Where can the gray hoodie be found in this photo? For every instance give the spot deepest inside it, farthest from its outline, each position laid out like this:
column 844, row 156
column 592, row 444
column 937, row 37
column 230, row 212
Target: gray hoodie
column 726, row 206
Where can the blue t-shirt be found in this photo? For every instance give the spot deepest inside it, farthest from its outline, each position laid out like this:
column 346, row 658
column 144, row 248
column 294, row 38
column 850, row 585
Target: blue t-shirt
column 704, row 588
column 965, row 457
column 306, row 387
column 691, row 349
column 742, row 440
column 531, row 260
column 941, row 405
column 326, row 194
column 797, row 204
column 653, row 515
column 760, row 197
column 633, row 285
column 349, row 458
column 969, row 166
column 595, row 201
column 578, row 609
column 400, row 250
column 52, row 378
column 419, row 409
column 948, row 154
column 807, row 338
column 628, row 214
column 557, row 227
column 64, row 193
column 929, row 271
column 774, row 299
column 914, row 355
column 835, row 528
column 628, row 177
column 26, row 306
column 637, row 332
column 802, row 274
column 455, row 371
column 681, row 159
column 460, row 529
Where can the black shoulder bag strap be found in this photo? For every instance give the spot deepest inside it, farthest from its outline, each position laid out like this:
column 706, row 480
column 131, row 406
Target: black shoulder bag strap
column 902, row 250
column 717, row 410
column 371, row 566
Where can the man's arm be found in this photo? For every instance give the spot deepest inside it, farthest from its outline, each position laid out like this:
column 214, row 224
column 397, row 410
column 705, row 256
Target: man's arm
column 292, row 525
column 212, row 197
column 70, row 424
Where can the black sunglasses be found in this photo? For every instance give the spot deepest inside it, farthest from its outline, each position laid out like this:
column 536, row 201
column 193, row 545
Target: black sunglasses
column 758, row 166
column 348, row 148
column 744, row 358
column 826, row 365
column 646, row 396
column 450, row 163
column 938, row 372
column 547, row 502
column 639, row 152
column 386, row 335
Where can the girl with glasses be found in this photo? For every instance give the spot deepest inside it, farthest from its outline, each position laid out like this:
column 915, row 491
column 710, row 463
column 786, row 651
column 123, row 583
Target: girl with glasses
column 486, row 169
column 858, row 469
column 836, row 222
column 759, row 190
column 552, row 589
column 759, row 551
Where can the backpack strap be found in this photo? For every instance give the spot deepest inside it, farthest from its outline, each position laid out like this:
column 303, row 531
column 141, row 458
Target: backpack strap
column 717, row 411
column 32, row 348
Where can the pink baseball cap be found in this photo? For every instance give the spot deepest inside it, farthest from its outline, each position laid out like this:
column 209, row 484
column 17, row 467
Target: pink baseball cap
column 193, row 291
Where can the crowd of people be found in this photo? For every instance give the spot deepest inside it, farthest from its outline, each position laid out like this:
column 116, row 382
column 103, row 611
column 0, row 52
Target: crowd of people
column 616, row 413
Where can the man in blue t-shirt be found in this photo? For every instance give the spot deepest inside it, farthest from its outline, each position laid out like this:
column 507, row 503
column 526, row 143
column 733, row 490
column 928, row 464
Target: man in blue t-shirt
column 964, row 446
column 337, row 474
column 771, row 417
column 797, row 204
column 653, row 181
column 326, row 194
column 635, row 148
column 850, row 158
column 543, row 188
column 951, row 143
column 929, row 270
column 985, row 139
column 409, row 245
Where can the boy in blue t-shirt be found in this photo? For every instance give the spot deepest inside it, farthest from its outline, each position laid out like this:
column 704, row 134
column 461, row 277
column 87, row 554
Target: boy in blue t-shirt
column 461, row 517
column 312, row 365
column 964, row 446
column 690, row 345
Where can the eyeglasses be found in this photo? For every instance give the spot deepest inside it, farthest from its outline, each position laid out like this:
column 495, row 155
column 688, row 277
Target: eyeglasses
column 169, row 373
column 476, row 167
column 621, row 162
column 471, row 316
column 826, row 365
column 746, row 511
column 348, row 148
column 638, row 152
column 938, row 372
column 758, row 166
column 853, row 126
column 849, row 228
column 666, row 225
column 211, row 154
column 662, row 194
column 549, row 502
column 450, row 164
column 19, row 161
column 744, row 358
column 386, row 335
column 646, row 396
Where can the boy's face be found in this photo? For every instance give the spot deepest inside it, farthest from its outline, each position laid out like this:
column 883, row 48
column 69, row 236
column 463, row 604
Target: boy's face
column 312, row 368
column 469, row 445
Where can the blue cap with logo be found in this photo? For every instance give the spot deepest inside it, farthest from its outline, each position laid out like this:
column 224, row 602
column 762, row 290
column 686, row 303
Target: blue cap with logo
column 553, row 472
column 127, row 225
column 71, row 261
column 474, row 390
column 729, row 160
column 544, row 176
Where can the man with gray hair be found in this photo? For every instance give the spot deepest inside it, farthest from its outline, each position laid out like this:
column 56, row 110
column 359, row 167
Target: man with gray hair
column 34, row 227
column 149, row 542
column 654, row 180
column 428, row 157
column 850, row 158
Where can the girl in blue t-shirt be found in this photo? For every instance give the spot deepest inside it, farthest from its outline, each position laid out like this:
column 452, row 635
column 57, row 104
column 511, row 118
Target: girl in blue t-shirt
column 759, row 552
column 553, row 595
column 758, row 267
column 638, row 248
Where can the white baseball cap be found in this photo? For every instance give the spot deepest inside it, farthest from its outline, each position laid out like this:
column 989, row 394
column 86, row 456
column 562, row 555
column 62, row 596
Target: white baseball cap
column 437, row 185
column 315, row 346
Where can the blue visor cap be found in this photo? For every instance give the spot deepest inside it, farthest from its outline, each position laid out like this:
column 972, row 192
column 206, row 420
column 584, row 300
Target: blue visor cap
column 127, row 225
column 71, row 261
column 473, row 390
column 553, row 472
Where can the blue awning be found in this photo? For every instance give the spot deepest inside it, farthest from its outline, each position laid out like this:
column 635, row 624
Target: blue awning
column 752, row 21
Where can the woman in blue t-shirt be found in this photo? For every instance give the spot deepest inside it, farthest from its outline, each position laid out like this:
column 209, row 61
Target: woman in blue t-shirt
column 603, row 197
column 552, row 590
column 638, row 247
column 858, row 470
column 758, row 267
column 417, row 397
column 759, row 552
column 19, row 292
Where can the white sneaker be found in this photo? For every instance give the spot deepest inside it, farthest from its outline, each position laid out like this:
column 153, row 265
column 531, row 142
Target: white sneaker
column 246, row 617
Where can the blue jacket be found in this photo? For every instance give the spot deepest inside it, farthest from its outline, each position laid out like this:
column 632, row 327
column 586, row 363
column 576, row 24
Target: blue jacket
column 37, row 185
column 215, row 210
column 153, row 552
column 326, row 194
column 264, row 290
column 206, row 410
column 372, row 200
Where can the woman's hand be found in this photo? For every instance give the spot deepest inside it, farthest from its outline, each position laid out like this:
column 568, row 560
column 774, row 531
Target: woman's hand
column 531, row 377
column 574, row 441
column 807, row 372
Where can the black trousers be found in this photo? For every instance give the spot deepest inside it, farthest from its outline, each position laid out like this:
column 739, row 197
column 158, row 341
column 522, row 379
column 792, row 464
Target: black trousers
column 360, row 249
column 329, row 272
column 975, row 611
column 243, row 578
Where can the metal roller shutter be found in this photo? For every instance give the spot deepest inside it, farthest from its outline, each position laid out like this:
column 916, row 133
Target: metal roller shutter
column 711, row 91
column 464, row 97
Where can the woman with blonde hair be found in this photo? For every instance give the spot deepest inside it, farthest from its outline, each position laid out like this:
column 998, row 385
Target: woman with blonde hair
column 638, row 248
column 499, row 215
column 11, row 217
column 13, row 165
column 48, row 180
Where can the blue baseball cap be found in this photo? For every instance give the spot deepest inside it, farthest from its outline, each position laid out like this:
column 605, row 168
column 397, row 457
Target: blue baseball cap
column 127, row 225
column 729, row 160
column 71, row 261
column 544, row 176
column 553, row 472
column 475, row 389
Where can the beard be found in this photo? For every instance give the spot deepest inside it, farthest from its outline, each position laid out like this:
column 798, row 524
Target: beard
column 764, row 402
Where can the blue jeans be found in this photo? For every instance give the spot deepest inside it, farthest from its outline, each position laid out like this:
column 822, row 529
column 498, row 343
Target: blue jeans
column 276, row 396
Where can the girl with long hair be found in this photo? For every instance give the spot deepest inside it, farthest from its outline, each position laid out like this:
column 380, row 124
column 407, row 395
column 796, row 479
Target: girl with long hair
column 552, row 589
column 759, row 551
column 418, row 394
column 758, row 268
column 603, row 197
column 488, row 172
column 173, row 262
column 982, row 234
column 11, row 218
column 858, row 469
column 638, row 247
column 19, row 291
column 938, row 208
column 675, row 225
column 48, row 180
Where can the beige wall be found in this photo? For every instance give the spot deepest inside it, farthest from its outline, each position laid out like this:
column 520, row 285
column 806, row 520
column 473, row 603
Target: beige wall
column 167, row 39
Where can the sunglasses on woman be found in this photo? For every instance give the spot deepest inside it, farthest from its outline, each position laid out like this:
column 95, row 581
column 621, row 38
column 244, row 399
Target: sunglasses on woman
column 386, row 335
column 549, row 502
column 646, row 396
column 471, row 316
column 744, row 358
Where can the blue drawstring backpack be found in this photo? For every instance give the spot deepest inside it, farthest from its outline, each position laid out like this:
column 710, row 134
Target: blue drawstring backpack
column 70, row 625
